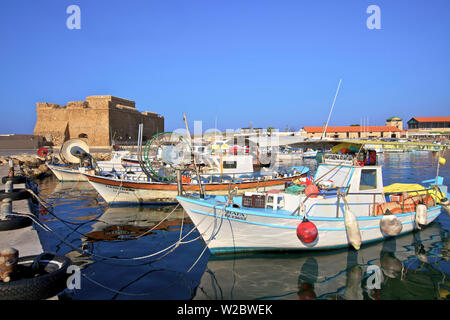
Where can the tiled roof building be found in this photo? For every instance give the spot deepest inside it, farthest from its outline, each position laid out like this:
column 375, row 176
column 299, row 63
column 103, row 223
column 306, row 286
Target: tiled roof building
column 354, row 132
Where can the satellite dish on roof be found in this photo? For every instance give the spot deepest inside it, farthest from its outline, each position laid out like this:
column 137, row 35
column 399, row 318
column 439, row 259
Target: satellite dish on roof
column 74, row 150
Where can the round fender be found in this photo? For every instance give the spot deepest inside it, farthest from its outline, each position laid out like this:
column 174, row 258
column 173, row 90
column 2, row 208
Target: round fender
column 15, row 180
column 390, row 225
column 14, row 222
column 17, row 194
column 37, row 277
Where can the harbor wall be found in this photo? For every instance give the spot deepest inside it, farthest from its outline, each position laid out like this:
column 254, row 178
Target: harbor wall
column 20, row 141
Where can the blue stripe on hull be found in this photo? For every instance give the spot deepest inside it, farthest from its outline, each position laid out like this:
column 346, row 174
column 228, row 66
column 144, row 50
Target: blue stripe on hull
column 137, row 204
column 299, row 218
column 225, row 250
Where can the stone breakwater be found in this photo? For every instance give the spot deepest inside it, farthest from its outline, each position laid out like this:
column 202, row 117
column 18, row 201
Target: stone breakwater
column 35, row 167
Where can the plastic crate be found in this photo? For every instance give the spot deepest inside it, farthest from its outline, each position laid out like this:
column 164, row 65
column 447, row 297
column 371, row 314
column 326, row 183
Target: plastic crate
column 259, row 201
column 254, row 200
column 247, row 200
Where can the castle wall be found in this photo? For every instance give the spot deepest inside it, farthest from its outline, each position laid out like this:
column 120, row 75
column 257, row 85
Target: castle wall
column 100, row 118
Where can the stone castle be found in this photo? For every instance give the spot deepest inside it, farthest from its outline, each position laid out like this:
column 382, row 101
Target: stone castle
column 100, row 120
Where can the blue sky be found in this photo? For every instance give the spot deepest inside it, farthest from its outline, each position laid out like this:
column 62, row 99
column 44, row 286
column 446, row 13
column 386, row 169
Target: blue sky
column 272, row 63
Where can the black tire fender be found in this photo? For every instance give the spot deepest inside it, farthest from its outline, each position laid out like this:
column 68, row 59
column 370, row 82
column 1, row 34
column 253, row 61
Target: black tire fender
column 14, row 222
column 16, row 194
column 41, row 287
column 15, row 180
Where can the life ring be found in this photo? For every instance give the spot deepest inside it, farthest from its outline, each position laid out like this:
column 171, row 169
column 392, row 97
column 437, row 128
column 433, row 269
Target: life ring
column 51, row 278
column 42, row 152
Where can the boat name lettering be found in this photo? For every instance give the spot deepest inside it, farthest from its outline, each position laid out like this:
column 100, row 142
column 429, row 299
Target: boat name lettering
column 118, row 188
column 338, row 157
column 236, row 215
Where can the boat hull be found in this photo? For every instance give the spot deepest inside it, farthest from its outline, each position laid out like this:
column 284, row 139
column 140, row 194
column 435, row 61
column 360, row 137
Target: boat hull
column 241, row 229
column 66, row 174
column 310, row 154
column 116, row 191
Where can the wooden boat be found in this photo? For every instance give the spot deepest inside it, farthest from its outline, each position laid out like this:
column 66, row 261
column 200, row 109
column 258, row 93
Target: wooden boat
column 344, row 211
column 134, row 190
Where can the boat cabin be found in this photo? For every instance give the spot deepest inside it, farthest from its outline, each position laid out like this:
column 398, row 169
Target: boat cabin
column 356, row 175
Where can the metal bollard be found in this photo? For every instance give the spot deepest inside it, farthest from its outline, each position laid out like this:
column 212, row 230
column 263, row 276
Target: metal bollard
column 8, row 263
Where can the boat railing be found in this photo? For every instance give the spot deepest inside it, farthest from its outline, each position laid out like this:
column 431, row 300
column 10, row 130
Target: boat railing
column 340, row 194
column 227, row 177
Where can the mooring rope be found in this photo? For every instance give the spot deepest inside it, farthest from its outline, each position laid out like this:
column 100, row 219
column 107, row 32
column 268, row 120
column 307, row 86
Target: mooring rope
column 48, row 229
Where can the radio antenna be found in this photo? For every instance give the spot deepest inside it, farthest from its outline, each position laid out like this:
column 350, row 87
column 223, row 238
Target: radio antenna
column 332, row 106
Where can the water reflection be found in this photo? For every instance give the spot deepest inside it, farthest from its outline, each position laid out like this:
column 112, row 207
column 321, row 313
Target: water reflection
column 129, row 223
column 414, row 266
column 399, row 268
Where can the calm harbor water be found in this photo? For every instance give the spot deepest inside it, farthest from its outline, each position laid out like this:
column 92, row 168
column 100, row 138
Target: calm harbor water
column 130, row 253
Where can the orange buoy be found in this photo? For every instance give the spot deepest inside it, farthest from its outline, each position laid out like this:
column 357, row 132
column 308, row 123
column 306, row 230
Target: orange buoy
column 307, row 231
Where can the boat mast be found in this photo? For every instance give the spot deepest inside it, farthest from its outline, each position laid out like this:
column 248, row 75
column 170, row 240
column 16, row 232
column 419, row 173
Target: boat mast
column 332, row 106
column 202, row 195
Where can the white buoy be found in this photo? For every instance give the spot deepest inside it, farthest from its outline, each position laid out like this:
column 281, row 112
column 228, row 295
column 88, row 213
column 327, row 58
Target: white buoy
column 421, row 215
column 390, row 225
column 352, row 228
column 445, row 203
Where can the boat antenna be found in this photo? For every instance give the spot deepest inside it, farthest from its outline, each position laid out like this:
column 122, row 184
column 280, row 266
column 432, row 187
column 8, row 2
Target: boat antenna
column 202, row 194
column 332, row 106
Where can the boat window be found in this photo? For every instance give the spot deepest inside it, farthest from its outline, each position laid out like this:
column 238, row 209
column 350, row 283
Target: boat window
column 229, row 164
column 368, row 179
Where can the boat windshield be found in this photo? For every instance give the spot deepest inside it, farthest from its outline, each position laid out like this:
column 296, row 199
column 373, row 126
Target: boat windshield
column 339, row 175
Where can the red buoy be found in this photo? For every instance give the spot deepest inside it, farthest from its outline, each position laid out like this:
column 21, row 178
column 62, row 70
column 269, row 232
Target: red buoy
column 307, row 231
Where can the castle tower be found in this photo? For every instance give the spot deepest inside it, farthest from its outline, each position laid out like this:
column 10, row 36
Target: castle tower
column 100, row 120
column 395, row 122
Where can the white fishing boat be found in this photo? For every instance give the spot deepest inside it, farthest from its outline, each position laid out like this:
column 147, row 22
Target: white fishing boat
column 308, row 154
column 122, row 160
column 76, row 161
column 289, row 154
column 345, row 206
column 65, row 172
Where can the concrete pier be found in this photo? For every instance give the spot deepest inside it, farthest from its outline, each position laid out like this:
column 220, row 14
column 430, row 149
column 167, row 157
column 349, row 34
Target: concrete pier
column 26, row 240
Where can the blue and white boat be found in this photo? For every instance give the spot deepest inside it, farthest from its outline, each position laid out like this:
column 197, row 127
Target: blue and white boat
column 342, row 212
